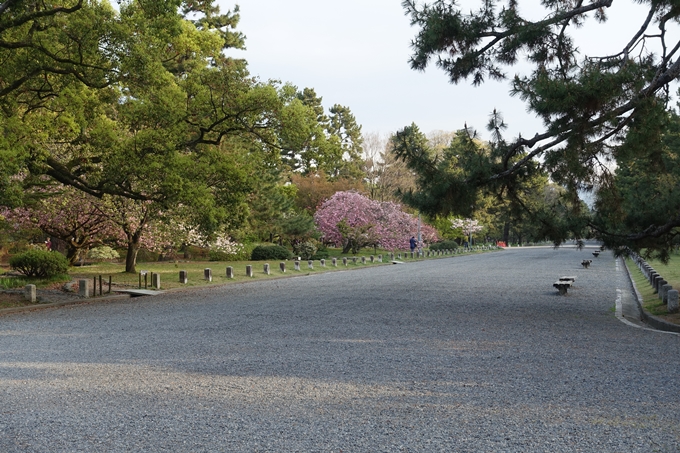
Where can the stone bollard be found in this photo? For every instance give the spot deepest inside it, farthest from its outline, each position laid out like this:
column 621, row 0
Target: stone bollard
column 84, row 288
column 412, row 255
column 652, row 274
column 207, row 274
column 391, row 256
column 297, row 265
column 282, row 266
column 344, row 261
column 673, row 301
column 322, row 262
column 354, row 260
column 266, row 269
column 156, row 280
column 659, row 283
column 380, row 258
column 363, row 260
column 335, row 262
column 249, row 270
column 398, row 256
column 310, row 264
column 371, row 259
column 183, row 277
column 230, row 272
column 30, row 294
column 663, row 293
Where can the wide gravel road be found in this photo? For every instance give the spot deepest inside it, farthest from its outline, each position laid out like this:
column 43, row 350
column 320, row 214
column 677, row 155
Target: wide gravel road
column 463, row 354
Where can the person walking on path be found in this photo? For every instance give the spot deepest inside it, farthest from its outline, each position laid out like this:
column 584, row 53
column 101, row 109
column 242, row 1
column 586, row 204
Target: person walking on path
column 413, row 243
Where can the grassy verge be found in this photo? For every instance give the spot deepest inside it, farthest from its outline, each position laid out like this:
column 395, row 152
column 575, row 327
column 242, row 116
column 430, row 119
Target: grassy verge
column 650, row 301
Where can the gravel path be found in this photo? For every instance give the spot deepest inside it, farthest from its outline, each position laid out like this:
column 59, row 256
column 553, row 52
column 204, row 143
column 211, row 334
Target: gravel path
column 464, row 354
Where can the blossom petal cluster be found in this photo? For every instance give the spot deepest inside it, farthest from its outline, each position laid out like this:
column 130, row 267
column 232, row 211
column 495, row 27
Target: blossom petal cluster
column 468, row 226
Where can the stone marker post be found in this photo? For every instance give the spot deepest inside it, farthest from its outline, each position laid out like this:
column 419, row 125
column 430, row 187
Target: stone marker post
column 334, row 261
column 344, row 261
column 30, row 293
column 380, row 258
column 363, row 260
column 652, row 274
column 659, row 283
column 323, row 262
column 266, row 269
column 310, row 264
column 673, row 301
column 297, row 265
column 156, row 280
column 84, row 288
column 183, row 277
column 371, row 259
column 282, row 266
column 230, row 272
column 663, row 293
column 249, row 270
column 207, row 274
column 354, row 260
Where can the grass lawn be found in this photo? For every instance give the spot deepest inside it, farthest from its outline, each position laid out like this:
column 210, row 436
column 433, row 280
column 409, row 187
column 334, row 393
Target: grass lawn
column 650, row 300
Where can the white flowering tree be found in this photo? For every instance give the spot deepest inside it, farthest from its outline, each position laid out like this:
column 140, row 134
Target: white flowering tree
column 467, row 226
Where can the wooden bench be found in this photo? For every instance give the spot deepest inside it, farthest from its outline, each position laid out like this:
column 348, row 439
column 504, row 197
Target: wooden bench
column 586, row 263
column 562, row 286
column 596, row 253
column 569, row 278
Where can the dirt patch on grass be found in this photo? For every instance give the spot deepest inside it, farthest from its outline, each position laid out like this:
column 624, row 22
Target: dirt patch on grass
column 11, row 300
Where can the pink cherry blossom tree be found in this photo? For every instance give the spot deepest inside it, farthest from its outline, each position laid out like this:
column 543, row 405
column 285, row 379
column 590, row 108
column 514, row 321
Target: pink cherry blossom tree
column 353, row 221
column 68, row 214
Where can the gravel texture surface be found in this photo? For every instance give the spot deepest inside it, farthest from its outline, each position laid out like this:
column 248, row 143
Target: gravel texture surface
column 464, row 354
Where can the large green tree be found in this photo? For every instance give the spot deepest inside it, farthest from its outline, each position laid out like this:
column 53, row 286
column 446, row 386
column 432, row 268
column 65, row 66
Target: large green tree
column 176, row 125
column 331, row 143
column 588, row 103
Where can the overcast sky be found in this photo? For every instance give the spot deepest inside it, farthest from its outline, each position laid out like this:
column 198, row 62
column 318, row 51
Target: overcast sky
column 355, row 53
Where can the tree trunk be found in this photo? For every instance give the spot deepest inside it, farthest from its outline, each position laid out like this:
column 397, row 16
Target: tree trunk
column 72, row 255
column 347, row 248
column 131, row 257
column 506, row 232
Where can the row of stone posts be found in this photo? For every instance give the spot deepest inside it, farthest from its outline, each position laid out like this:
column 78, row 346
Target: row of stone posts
column 85, row 290
column 665, row 292
column 345, row 262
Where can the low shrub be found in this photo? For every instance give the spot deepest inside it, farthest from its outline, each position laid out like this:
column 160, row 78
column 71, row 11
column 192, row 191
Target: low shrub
column 270, row 252
column 40, row 263
column 219, row 255
column 444, row 245
column 103, row 253
column 305, row 250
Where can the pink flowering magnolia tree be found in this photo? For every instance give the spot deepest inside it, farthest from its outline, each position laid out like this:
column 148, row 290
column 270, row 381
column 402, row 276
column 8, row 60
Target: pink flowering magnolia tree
column 353, row 221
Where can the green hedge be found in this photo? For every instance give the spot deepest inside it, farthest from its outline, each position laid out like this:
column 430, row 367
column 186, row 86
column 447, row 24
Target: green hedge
column 321, row 255
column 444, row 245
column 270, row 252
column 40, row 263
